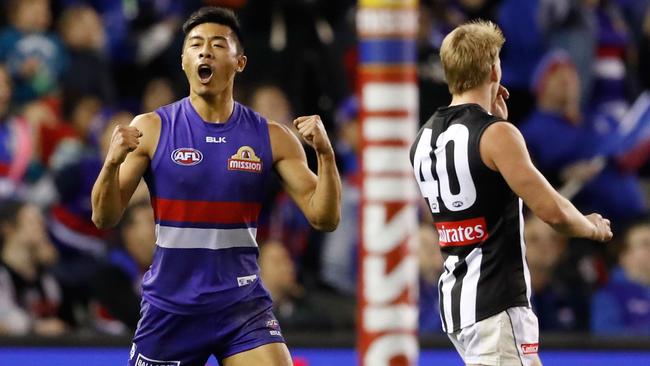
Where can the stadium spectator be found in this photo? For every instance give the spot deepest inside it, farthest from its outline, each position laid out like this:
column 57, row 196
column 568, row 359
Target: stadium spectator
column 560, row 296
column 431, row 80
column 88, row 70
column 74, row 164
column 339, row 252
column 571, row 25
column 22, row 171
column 273, row 103
column 297, row 307
column 521, row 53
column 579, row 157
column 623, row 305
column 118, row 283
column 157, row 93
column 30, row 297
column 611, row 87
column 16, row 142
column 297, row 43
column 35, row 57
column 430, row 267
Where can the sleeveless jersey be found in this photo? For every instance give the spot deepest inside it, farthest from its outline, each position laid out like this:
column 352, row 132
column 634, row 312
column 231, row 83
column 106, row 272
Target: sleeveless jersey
column 478, row 218
column 206, row 182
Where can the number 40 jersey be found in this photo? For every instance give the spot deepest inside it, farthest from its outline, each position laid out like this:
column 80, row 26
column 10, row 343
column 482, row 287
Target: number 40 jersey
column 477, row 216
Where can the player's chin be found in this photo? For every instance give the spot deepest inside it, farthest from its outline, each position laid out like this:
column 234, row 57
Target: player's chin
column 205, row 89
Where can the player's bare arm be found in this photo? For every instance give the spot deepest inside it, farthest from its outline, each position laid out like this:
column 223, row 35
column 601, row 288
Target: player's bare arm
column 503, row 149
column 130, row 152
column 318, row 196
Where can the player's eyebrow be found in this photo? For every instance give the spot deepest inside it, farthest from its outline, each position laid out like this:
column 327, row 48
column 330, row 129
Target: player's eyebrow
column 201, row 38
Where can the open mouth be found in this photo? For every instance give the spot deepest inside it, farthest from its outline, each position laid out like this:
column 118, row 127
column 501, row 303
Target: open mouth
column 205, row 74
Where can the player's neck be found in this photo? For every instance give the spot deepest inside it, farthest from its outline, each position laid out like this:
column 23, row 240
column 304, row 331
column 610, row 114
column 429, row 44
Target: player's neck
column 214, row 108
column 479, row 95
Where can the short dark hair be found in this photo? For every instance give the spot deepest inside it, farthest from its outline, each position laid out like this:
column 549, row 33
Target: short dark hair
column 213, row 14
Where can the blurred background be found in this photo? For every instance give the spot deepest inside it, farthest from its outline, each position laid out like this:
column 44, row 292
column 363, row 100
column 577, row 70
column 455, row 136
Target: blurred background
column 578, row 72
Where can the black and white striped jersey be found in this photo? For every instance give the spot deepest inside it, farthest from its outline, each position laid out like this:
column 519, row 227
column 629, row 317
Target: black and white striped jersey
column 478, row 218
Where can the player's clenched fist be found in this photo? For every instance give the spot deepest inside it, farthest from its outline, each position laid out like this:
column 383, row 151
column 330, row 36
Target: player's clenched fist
column 312, row 131
column 124, row 140
column 602, row 230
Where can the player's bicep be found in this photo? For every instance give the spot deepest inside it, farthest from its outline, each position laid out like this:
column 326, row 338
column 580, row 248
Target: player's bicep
column 503, row 147
column 131, row 171
column 136, row 163
column 290, row 162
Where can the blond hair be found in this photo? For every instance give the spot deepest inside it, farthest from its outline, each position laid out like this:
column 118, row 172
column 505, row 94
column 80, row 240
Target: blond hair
column 468, row 53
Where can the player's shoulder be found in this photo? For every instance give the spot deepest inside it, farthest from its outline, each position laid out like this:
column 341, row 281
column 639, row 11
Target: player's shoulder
column 146, row 120
column 501, row 138
column 284, row 143
column 501, row 129
column 148, row 123
column 278, row 129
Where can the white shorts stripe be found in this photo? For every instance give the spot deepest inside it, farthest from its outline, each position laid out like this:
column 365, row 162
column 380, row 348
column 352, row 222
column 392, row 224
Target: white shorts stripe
column 192, row 238
column 470, row 286
column 522, row 243
column 447, row 281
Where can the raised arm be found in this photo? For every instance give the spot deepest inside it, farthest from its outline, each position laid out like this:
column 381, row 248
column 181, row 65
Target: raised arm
column 318, row 196
column 128, row 157
column 503, row 149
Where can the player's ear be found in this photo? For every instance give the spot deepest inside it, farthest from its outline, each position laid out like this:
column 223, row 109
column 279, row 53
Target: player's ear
column 182, row 66
column 494, row 74
column 241, row 63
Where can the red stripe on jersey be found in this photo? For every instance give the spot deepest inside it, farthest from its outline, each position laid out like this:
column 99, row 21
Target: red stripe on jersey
column 206, row 211
column 461, row 233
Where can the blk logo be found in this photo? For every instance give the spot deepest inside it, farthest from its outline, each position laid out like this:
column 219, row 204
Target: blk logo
column 215, row 140
column 186, row 156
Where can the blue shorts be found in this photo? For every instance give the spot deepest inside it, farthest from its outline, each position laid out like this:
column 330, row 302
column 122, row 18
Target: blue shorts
column 168, row 339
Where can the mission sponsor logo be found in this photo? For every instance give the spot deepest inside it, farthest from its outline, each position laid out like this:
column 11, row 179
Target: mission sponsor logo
column 529, row 348
column 245, row 160
column 144, row 361
column 461, row 233
column 186, row 156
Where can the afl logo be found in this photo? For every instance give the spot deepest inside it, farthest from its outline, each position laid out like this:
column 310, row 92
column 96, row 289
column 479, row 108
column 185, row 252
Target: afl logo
column 187, row 156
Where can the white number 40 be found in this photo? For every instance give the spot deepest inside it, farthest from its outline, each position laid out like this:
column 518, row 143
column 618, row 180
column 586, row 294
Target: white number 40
column 431, row 189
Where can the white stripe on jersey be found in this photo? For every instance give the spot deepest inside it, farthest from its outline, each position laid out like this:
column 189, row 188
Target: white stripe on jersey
column 447, row 281
column 195, row 238
column 523, row 250
column 470, row 287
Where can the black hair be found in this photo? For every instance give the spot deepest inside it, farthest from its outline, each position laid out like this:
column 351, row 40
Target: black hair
column 213, row 14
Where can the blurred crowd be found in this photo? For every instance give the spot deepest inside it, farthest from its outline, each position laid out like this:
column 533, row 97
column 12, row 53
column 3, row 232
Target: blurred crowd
column 71, row 70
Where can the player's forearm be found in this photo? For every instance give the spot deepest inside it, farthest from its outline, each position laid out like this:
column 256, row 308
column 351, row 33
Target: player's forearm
column 106, row 197
column 565, row 218
column 325, row 203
